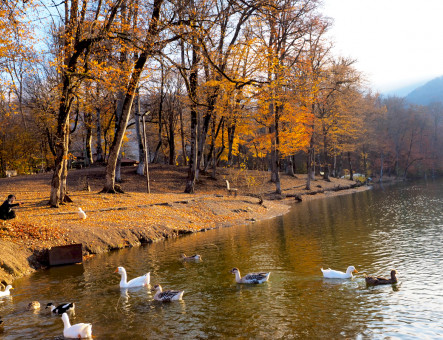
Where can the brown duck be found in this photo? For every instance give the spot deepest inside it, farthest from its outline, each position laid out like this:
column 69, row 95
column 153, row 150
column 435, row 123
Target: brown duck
column 374, row 281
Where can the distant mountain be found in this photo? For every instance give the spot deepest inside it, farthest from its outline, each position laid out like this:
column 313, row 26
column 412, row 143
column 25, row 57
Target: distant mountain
column 404, row 91
column 428, row 93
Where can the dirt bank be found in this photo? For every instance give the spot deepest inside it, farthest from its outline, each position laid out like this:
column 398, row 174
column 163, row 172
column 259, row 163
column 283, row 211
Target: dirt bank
column 135, row 217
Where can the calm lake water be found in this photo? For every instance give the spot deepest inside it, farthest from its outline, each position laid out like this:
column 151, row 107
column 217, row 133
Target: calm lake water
column 397, row 227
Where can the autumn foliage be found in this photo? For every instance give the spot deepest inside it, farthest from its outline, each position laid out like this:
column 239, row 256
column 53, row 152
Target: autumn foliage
column 249, row 85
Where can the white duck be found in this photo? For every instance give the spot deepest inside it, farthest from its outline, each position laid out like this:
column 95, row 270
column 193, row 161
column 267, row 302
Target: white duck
column 81, row 214
column 137, row 282
column 167, row 295
column 79, row 330
column 251, row 277
column 335, row 274
column 6, row 292
column 195, row 257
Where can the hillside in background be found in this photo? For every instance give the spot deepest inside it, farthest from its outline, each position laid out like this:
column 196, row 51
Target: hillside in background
column 428, row 93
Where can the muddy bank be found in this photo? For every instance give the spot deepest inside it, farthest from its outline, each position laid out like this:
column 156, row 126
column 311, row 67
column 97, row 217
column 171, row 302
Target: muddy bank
column 134, row 218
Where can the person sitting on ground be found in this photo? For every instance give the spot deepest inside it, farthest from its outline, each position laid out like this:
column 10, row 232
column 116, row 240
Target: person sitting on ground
column 6, row 213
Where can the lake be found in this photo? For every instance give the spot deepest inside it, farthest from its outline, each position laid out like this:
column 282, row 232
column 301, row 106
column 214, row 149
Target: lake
column 393, row 227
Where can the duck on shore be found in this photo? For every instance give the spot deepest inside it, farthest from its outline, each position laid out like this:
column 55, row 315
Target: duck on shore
column 136, row 282
column 375, row 281
column 251, row 277
column 81, row 214
column 336, row 274
column 167, row 295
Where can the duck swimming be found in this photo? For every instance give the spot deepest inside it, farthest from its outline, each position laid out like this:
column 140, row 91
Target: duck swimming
column 335, row 274
column 77, row 331
column 375, row 281
column 137, row 282
column 60, row 309
column 251, row 277
column 190, row 258
column 34, row 305
column 6, row 292
column 167, row 295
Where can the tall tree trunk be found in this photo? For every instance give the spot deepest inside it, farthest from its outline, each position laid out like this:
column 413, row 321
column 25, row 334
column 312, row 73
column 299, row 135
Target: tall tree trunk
column 381, row 166
column 182, row 130
column 351, row 171
column 214, row 135
column 231, row 136
column 365, row 165
column 160, row 119
column 171, row 140
column 99, row 158
column 182, row 135
column 61, row 156
column 193, row 82
column 289, row 166
column 275, row 155
column 129, row 98
column 141, row 151
column 325, row 156
column 88, row 141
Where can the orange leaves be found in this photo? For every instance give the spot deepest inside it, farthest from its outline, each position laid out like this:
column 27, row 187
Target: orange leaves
column 29, row 234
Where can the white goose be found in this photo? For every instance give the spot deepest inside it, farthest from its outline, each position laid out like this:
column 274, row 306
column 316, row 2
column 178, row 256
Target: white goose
column 79, row 330
column 251, row 277
column 6, row 292
column 335, row 274
column 167, row 295
column 137, row 282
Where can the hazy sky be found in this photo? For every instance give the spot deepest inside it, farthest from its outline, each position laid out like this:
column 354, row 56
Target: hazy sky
column 396, row 42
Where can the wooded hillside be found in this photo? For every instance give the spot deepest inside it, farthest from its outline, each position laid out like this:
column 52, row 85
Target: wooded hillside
column 246, row 84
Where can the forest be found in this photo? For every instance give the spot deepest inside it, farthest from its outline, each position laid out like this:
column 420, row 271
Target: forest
column 209, row 83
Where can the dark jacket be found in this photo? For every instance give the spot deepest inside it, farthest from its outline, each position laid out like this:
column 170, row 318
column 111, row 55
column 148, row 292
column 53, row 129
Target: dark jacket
column 5, row 210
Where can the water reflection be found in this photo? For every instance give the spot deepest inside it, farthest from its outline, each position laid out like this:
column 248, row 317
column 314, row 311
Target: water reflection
column 397, row 227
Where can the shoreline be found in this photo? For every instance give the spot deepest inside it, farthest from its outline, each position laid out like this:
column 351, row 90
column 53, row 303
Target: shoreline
column 135, row 218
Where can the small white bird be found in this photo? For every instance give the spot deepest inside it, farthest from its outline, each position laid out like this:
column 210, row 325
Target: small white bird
column 195, row 257
column 335, row 274
column 79, row 330
column 137, row 282
column 167, row 295
column 6, row 292
column 81, row 214
column 251, row 277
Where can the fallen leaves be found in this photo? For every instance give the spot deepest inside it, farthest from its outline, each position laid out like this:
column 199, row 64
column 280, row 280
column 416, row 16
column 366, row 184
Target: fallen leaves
column 31, row 235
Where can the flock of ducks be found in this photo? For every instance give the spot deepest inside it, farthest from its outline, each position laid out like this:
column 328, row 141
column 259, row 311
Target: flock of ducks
column 84, row 330
column 370, row 280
